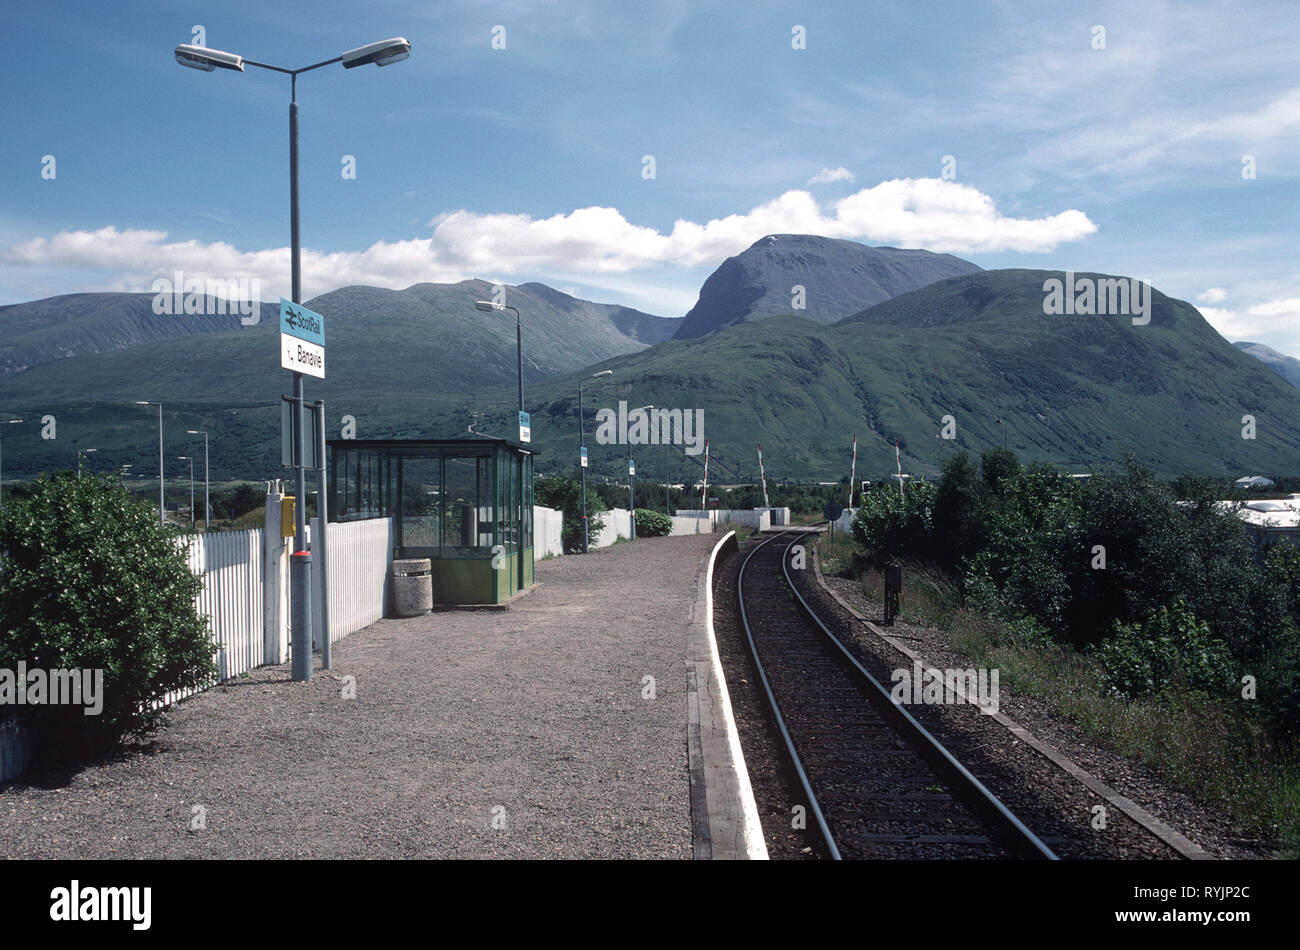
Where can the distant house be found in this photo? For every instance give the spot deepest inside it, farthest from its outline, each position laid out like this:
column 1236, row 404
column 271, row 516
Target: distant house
column 1268, row 521
column 1253, row 481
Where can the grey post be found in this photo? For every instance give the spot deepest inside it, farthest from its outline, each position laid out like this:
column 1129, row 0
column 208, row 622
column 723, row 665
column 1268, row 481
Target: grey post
column 380, row 54
column 322, row 542
column 300, row 575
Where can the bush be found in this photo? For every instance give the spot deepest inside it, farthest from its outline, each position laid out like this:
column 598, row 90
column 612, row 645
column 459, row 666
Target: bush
column 652, row 524
column 892, row 525
column 1170, row 648
column 565, row 494
column 92, row 581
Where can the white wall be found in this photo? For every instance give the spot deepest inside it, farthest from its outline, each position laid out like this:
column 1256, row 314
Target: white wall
column 547, row 525
column 618, row 524
column 759, row 518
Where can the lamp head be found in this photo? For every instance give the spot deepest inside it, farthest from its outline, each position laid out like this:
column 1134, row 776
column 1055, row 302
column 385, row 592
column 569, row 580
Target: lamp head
column 200, row 57
column 382, row 53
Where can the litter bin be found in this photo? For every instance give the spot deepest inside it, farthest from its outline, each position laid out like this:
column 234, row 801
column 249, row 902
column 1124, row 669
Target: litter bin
column 412, row 586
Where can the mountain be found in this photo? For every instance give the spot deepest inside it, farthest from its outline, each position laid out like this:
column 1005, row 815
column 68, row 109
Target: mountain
column 1288, row 367
column 839, row 278
column 42, row 331
column 428, row 336
column 1080, row 391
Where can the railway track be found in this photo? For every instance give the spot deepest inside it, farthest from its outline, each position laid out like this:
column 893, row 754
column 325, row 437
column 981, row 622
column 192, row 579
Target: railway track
column 878, row 784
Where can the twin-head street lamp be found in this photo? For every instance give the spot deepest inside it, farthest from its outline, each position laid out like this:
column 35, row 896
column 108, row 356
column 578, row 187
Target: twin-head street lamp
column 7, row 422
column 487, row 306
column 582, row 452
column 186, row 458
column 207, row 498
column 383, row 53
column 162, row 505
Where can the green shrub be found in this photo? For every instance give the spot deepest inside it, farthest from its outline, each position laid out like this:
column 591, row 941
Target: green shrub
column 652, row 524
column 92, row 581
column 1168, row 649
column 565, row 494
column 892, row 525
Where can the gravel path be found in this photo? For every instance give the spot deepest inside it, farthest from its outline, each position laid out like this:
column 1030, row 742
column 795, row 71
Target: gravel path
column 531, row 718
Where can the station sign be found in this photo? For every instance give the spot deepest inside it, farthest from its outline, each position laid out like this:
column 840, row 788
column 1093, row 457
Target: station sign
column 302, row 340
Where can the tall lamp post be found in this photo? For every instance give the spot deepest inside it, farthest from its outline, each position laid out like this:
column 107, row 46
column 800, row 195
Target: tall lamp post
column 383, row 53
column 186, row 458
column 631, row 474
column 162, row 505
column 80, row 453
column 8, row 422
column 487, row 306
column 207, row 497
column 582, row 453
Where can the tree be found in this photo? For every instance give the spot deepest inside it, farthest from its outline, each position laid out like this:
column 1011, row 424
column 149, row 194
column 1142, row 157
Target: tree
column 565, row 494
column 91, row 581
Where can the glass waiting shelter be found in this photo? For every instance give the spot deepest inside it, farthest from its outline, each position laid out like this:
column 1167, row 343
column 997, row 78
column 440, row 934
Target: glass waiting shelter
column 466, row 504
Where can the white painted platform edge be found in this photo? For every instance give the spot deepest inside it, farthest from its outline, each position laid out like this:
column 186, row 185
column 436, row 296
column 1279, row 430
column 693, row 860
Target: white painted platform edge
column 755, row 845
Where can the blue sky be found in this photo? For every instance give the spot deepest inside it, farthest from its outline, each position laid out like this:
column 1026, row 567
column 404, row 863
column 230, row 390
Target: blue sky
column 528, row 162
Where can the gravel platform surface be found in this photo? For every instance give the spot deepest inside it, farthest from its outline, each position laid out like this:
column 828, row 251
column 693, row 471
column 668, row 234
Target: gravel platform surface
column 473, row 733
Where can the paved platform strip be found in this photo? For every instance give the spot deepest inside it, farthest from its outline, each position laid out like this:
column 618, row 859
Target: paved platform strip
column 473, row 733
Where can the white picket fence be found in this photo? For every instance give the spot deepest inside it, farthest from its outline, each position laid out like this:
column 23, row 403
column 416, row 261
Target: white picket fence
column 230, row 565
column 360, row 558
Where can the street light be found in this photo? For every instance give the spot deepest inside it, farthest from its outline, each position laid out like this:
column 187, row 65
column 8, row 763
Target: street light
column 162, row 505
column 207, row 498
column 186, row 458
column 582, row 449
column 631, row 499
column 8, row 422
column 487, row 306
column 383, row 53
column 80, row 453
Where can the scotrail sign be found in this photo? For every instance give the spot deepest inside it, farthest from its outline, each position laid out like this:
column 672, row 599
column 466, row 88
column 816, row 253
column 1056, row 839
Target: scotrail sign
column 525, row 427
column 302, row 339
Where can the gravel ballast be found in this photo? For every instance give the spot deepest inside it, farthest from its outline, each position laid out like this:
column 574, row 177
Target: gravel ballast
column 475, row 733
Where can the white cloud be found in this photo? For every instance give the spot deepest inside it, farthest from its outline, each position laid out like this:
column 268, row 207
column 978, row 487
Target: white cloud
column 828, row 175
column 1277, row 318
column 585, row 244
column 1213, row 295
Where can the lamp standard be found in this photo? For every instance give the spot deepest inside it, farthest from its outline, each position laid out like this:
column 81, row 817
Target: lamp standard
column 80, row 453
column 631, row 474
column 186, row 458
column 162, row 505
column 207, row 497
column 487, row 306
column 8, row 422
column 582, row 453
column 382, row 53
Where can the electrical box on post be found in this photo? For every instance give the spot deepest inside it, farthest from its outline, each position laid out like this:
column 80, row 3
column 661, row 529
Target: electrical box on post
column 287, row 521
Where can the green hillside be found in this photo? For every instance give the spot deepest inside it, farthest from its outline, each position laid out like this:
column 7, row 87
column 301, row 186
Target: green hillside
column 1078, row 390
